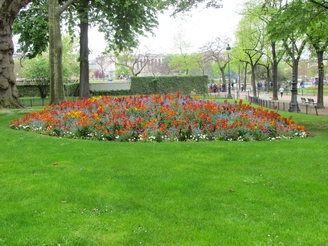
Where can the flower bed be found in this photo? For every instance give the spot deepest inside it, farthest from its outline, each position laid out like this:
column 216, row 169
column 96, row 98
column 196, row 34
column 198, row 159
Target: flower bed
column 159, row 118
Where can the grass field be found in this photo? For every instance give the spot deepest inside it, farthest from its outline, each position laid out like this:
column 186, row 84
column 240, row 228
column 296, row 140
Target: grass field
column 74, row 192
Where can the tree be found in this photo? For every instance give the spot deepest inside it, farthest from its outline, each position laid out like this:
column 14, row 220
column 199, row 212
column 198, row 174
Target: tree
column 251, row 38
column 320, row 4
column 57, row 94
column 165, row 68
column 70, row 58
column 103, row 62
column 8, row 90
column 37, row 70
column 121, row 30
column 305, row 21
column 182, row 61
column 136, row 61
column 317, row 35
column 216, row 52
column 201, row 63
column 265, row 12
column 83, row 16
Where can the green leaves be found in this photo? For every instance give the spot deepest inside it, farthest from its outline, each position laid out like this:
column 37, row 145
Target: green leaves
column 32, row 26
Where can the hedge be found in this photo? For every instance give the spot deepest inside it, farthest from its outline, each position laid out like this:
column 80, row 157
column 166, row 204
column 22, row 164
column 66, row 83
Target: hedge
column 139, row 85
column 71, row 89
column 169, row 84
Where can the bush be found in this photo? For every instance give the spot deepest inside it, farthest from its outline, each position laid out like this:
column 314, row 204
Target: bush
column 169, row 84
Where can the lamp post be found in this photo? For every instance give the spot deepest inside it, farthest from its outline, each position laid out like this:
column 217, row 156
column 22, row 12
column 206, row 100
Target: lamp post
column 229, row 84
column 293, row 106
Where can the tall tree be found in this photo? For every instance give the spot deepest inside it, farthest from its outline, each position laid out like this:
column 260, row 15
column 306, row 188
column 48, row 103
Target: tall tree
column 38, row 71
column 215, row 51
column 251, row 37
column 182, row 61
column 103, row 62
column 317, row 35
column 135, row 61
column 83, row 14
column 39, row 26
column 301, row 21
column 57, row 93
column 265, row 12
column 8, row 90
column 121, row 21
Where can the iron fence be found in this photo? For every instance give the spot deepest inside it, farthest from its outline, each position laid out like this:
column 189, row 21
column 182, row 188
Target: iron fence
column 304, row 108
column 34, row 102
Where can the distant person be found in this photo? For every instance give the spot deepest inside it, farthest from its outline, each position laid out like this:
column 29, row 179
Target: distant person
column 281, row 90
column 215, row 88
column 223, row 88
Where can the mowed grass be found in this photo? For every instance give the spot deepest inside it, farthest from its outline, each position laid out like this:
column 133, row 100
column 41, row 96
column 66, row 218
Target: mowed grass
column 180, row 193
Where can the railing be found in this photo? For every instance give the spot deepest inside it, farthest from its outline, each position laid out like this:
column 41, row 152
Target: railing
column 33, row 102
column 284, row 106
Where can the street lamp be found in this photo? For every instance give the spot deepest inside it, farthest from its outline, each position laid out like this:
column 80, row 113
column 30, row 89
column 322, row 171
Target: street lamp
column 229, row 85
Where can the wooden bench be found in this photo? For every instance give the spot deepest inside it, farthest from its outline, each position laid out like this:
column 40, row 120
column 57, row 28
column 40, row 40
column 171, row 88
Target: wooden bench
column 303, row 99
column 311, row 101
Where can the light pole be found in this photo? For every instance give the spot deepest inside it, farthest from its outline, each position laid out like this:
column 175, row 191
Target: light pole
column 229, row 84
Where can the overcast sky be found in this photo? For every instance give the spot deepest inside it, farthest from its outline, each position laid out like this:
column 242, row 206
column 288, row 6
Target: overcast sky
column 198, row 29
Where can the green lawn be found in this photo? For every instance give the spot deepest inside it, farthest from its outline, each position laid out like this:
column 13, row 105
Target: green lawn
column 181, row 193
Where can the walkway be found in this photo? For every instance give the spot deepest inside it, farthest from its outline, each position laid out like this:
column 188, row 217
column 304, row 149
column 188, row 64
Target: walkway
column 283, row 102
column 305, row 108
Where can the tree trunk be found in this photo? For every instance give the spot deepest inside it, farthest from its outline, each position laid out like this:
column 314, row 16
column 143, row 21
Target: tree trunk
column 245, row 76
column 8, row 90
column 268, row 79
column 253, row 80
column 84, row 52
column 222, row 74
column 57, row 94
column 274, row 72
column 320, row 101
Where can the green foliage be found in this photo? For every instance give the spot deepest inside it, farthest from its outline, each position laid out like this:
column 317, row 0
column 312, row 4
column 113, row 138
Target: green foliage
column 37, row 69
column 28, row 91
column 299, row 18
column 72, row 89
column 71, row 66
column 32, row 26
column 186, row 63
column 169, row 84
column 187, row 5
column 122, row 70
column 111, row 93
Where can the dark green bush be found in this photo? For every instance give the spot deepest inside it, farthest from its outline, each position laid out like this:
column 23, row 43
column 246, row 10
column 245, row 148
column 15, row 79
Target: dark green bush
column 28, row 91
column 72, row 89
column 111, row 93
column 139, row 85
column 169, row 84
column 33, row 90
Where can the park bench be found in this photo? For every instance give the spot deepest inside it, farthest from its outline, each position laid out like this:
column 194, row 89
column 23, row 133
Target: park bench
column 311, row 101
column 303, row 99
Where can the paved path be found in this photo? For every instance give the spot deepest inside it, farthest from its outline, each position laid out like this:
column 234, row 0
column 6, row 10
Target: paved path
column 310, row 109
column 286, row 98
